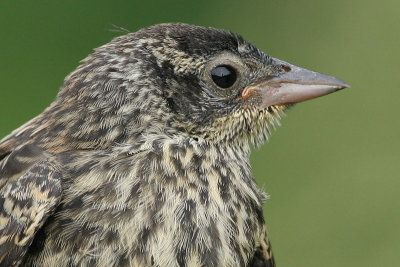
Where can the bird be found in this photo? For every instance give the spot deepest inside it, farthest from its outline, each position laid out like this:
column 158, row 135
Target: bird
column 143, row 157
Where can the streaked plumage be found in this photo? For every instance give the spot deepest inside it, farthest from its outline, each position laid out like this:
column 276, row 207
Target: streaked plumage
column 143, row 161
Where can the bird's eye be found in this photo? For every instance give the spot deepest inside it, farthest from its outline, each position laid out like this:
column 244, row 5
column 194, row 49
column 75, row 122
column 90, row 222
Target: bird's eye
column 224, row 76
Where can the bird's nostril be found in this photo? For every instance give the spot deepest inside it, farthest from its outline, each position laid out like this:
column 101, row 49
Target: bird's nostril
column 286, row 68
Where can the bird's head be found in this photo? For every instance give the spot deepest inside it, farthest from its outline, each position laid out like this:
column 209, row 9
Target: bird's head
column 187, row 80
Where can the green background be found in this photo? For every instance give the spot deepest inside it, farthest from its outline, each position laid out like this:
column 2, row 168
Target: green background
column 332, row 170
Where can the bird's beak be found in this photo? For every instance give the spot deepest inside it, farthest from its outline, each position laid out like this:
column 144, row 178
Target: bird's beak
column 294, row 85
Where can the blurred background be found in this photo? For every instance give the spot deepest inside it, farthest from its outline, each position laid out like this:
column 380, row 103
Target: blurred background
column 332, row 170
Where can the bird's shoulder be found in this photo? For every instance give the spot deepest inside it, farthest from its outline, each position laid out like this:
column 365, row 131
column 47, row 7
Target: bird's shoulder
column 19, row 150
column 16, row 158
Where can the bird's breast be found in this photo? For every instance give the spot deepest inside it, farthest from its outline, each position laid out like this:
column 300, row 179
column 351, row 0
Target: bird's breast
column 165, row 203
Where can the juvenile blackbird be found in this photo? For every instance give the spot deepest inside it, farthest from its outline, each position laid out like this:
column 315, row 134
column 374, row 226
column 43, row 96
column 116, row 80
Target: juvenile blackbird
column 143, row 157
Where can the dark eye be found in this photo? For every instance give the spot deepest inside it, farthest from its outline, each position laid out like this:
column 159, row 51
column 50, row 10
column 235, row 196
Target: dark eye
column 223, row 76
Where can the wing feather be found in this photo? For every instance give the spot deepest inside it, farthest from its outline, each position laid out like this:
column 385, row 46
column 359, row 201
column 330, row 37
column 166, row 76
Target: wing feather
column 25, row 204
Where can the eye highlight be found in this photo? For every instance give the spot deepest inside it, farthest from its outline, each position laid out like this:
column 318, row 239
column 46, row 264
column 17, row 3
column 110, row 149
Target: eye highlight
column 223, row 76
